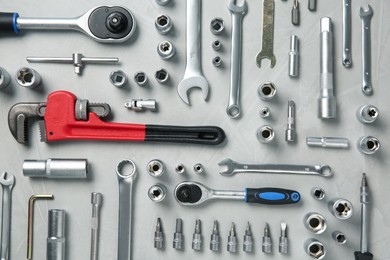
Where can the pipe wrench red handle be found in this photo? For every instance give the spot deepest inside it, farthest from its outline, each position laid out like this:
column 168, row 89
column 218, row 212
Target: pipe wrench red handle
column 61, row 124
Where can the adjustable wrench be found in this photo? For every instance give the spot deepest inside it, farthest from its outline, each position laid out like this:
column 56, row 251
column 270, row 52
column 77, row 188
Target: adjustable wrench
column 233, row 109
column 267, row 50
column 347, row 56
column 233, row 167
column 7, row 182
column 366, row 16
column 126, row 172
column 193, row 76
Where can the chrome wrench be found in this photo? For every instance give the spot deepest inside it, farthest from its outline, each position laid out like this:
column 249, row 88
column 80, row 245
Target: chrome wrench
column 193, row 76
column 366, row 16
column 233, row 109
column 126, row 171
column 267, row 50
column 7, row 182
column 232, row 167
column 347, row 56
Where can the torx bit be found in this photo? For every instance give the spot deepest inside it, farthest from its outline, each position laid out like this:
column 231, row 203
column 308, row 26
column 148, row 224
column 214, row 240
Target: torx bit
column 197, row 237
column 232, row 240
column 283, row 240
column 312, row 5
column 178, row 235
column 267, row 241
column 215, row 238
column 158, row 235
column 295, row 16
column 363, row 254
column 96, row 201
column 290, row 132
column 248, row 239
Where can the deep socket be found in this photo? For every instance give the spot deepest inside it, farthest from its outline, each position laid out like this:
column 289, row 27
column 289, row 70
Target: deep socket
column 56, row 168
column 56, row 235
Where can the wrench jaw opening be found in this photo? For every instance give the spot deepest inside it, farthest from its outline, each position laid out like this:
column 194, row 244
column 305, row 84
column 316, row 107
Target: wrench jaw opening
column 263, row 55
column 190, row 193
column 229, row 166
column 188, row 83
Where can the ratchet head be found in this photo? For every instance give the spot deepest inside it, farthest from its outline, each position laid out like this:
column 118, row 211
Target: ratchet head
column 366, row 13
column 192, row 82
column 234, row 8
column 192, row 193
column 7, row 180
column 229, row 166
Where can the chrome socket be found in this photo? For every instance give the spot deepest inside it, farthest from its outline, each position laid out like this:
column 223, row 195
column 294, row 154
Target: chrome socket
column 265, row 134
column 163, row 24
column 328, row 142
column 162, row 2
column 161, row 76
column 318, row 193
column 155, row 168
column 166, row 50
column 141, row 105
column 5, row 78
column 217, row 61
column 56, row 168
column 140, row 78
column 367, row 114
column 217, row 45
column 315, row 223
column 314, row 248
column 339, row 237
column 157, row 192
column 198, row 168
column 265, row 112
column 118, row 78
column 55, row 249
column 267, row 91
column 217, row 26
column 293, row 64
column 340, row 208
column 368, row 144
column 180, row 168
column 28, row 78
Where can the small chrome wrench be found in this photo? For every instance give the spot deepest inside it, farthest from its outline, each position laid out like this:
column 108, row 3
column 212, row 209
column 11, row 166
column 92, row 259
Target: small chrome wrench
column 193, row 76
column 126, row 171
column 267, row 50
column 366, row 16
column 233, row 109
column 7, row 182
column 233, row 167
column 347, row 56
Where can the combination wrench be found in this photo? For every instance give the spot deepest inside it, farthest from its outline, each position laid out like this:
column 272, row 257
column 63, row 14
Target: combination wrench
column 7, row 182
column 126, row 171
column 193, row 76
column 347, row 55
column 232, row 167
column 267, row 50
column 106, row 24
column 233, row 109
column 366, row 16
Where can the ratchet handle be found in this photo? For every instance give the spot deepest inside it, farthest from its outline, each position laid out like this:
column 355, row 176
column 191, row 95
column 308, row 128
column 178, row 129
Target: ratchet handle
column 272, row 196
column 8, row 22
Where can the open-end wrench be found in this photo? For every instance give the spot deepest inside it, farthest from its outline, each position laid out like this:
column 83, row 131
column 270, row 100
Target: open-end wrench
column 126, row 171
column 107, row 24
column 7, row 182
column 366, row 16
column 347, row 56
column 233, row 109
column 191, row 193
column 232, row 167
column 193, row 76
column 267, row 50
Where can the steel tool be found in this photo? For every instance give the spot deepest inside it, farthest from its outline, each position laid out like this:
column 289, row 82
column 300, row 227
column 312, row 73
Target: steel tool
column 197, row 236
column 237, row 12
column 267, row 50
column 126, row 172
column 328, row 142
column 366, row 16
column 295, row 15
column 28, row 78
column 107, row 24
column 347, row 34
column 364, row 254
column 67, row 118
column 267, row 241
column 55, row 249
column 232, row 167
column 315, row 222
column 339, row 237
column 312, row 5
column 283, row 239
column 368, row 144
column 7, row 182
column 141, row 105
column 118, row 78
column 340, row 208
column 96, row 201
column 290, row 131
column 367, row 114
column 193, row 76
column 5, row 78
column 232, row 240
column 158, row 235
column 215, row 240
column 163, row 24
column 248, row 239
column 314, row 248
column 56, row 168
column 293, row 57
column 178, row 235
column 193, row 193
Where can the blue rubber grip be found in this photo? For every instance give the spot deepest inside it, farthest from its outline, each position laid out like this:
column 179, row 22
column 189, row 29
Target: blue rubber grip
column 272, row 196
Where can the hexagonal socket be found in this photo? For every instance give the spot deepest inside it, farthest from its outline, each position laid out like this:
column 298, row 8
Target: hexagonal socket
column 140, row 78
column 314, row 222
column 163, row 24
column 217, row 26
column 265, row 134
column 161, row 75
column 314, row 248
column 267, row 91
column 264, row 112
column 217, row 61
column 155, row 168
column 157, row 192
column 28, row 78
column 118, row 78
column 166, row 50
column 318, row 193
column 339, row 237
column 217, row 45
column 368, row 144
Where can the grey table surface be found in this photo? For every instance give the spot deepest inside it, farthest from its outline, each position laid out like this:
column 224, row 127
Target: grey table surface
column 139, row 54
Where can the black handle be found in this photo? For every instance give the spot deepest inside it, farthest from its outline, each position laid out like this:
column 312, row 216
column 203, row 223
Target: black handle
column 210, row 135
column 8, row 22
column 272, row 196
column 363, row 256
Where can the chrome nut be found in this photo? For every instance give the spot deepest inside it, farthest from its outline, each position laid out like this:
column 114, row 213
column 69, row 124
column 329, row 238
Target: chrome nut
column 265, row 134
column 368, row 144
column 155, row 168
column 267, row 91
column 28, row 78
column 166, row 50
column 217, row 26
column 118, row 78
column 157, row 192
column 163, row 24
column 140, row 78
column 161, row 75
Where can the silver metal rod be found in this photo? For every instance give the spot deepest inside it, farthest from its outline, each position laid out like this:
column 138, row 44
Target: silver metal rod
column 230, row 195
column 347, row 56
column 327, row 142
column 47, row 24
column 96, row 201
column 56, row 235
column 364, row 216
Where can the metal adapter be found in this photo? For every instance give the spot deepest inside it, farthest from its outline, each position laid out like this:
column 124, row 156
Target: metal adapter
column 339, row 237
column 318, row 193
column 328, row 142
column 141, row 105
column 56, row 235
column 56, row 168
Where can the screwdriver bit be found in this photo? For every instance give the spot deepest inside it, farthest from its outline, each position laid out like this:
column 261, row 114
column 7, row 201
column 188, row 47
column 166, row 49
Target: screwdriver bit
column 232, row 240
column 215, row 239
column 197, row 237
column 158, row 235
column 267, row 242
column 248, row 239
column 312, row 5
column 295, row 16
column 283, row 240
column 178, row 235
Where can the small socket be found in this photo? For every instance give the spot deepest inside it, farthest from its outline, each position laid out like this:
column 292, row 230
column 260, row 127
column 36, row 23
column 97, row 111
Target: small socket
column 180, row 169
column 341, row 208
column 264, row 112
column 367, row 114
column 339, row 237
column 28, row 78
column 162, row 2
column 5, row 78
column 318, row 193
column 315, row 249
column 161, row 75
column 265, row 134
column 140, row 78
column 118, row 78
column 368, row 144
column 198, row 168
column 314, row 222
column 217, row 61
column 163, row 24
column 217, row 45
column 166, row 50
column 217, row 25
column 267, row 91
column 155, row 168
column 157, row 192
